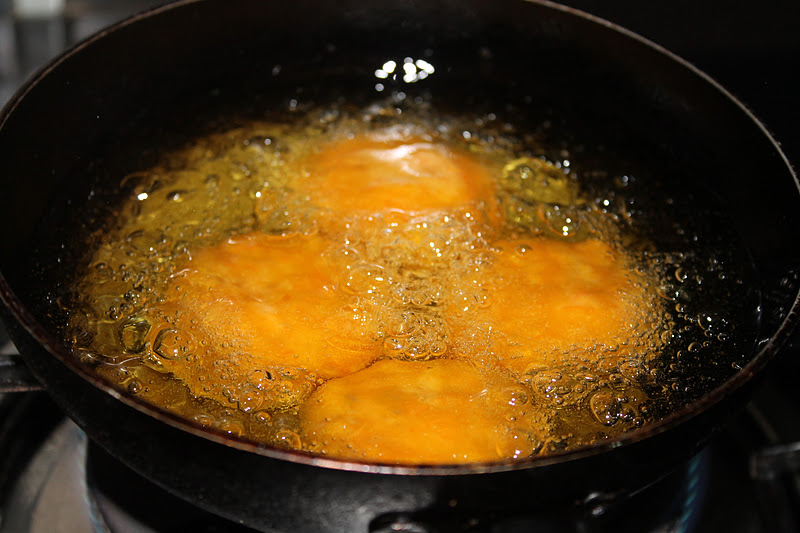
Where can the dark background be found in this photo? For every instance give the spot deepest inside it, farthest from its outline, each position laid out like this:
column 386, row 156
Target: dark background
column 751, row 48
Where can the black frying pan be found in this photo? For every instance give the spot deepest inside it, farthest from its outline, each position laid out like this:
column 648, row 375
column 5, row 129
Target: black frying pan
column 600, row 84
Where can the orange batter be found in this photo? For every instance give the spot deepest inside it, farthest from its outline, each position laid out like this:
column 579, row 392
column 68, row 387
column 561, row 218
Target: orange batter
column 262, row 302
column 551, row 298
column 270, row 302
column 436, row 412
column 380, row 174
column 262, row 306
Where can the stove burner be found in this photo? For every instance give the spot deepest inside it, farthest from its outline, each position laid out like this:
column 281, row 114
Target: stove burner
column 57, row 481
column 128, row 503
column 69, row 485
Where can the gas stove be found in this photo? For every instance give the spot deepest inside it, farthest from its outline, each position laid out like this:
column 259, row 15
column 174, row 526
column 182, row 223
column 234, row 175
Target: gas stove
column 60, row 482
column 53, row 479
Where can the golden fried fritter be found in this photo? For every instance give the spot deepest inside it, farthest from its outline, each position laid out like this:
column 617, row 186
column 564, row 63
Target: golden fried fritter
column 440, row 411
column 552, row 300
column 369, row 175
column 265, row 302
column 297, row 321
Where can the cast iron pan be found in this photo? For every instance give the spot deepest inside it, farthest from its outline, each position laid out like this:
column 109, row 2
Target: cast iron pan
column 603, row 85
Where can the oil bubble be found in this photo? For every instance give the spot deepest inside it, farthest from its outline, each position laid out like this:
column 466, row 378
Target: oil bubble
column 263, row 416
column 287, row 438
column 231, row 427
column 250, row 401
column 173, row 344
column 177, row 195
column 204, row 420
column 535, row 180
column 133, row 334
column 261, row 379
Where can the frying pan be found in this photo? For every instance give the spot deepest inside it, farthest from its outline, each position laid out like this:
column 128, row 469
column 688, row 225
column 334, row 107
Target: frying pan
column 94, row 109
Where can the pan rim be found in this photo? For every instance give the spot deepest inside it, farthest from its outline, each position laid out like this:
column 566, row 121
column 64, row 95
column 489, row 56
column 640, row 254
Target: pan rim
column 765, row 352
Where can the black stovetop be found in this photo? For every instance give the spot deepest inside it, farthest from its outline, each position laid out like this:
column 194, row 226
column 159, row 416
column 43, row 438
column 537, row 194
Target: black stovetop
column 54, row 480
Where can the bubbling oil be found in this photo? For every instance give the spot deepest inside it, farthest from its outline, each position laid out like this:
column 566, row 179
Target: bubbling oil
column 399, row 284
